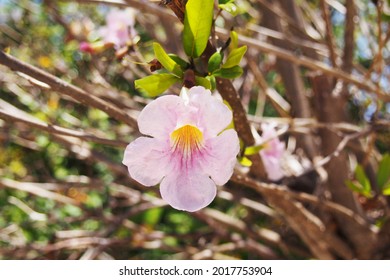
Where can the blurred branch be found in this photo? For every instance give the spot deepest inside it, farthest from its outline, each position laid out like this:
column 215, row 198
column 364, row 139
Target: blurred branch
column 299, row 218
column 249, row 203
column 378, row 60
column 279, row 103
column 349, row 40
column 294, row 40
column 329, row 33
column 221, row 226
column 264, row 189
column 309, row 63
column 33, row 215
column 11, row 113
column 82, row 242
column 292, row 79
column 66, row 88
column 279, row 14
column 331, row 107
column 340, row 147
column 303, row 124
column 34, row 188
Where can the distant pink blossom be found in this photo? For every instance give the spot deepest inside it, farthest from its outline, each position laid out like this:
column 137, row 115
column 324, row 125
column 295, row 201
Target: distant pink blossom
column 188, row 153
column 86, row 47
column 119, row 29
column 272, row 153
column 94, row 48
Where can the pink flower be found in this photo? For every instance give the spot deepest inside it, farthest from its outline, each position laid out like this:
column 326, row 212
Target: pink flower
column 86, row 47
column 94, row 48
column 188, row 153
column 119, row 29
column 272, row 153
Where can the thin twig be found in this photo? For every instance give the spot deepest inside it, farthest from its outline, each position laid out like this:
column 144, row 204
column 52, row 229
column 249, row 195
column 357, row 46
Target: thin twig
column 329, row 33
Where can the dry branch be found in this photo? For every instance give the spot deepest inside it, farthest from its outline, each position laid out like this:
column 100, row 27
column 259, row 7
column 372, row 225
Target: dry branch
column 65, row 88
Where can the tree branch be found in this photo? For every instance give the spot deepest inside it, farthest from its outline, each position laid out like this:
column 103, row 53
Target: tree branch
column 65, row 88
column 9, row 112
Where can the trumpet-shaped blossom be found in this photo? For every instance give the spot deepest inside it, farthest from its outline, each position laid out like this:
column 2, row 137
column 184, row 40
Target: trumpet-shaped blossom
column 188, row 151
column 272, row 153
column 94, row 48
column 119, row 29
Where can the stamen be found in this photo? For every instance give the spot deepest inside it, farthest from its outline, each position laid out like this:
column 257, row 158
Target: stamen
column 186, row 140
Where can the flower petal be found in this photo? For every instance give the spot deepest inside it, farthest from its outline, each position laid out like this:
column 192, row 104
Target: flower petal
column 220, row 156
column 273, row 167
column 215, row 116
column 273, row 152
column 118, row 17
column 147, row 160
column 119, row 24
column 188, row 192
column 159, row 117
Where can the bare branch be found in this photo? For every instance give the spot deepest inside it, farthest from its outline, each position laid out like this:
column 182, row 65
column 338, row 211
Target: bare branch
column 67, row 89
column 9, row 112
column 309, row 63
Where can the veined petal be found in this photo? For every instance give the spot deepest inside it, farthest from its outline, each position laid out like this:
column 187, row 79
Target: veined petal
column 189, row 191
column 159, row 117
column 186, row 141
column 214, row 115
column 146, row 160
column 220, row 156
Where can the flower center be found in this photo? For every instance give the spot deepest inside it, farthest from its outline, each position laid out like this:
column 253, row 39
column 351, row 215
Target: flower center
column 186, row 140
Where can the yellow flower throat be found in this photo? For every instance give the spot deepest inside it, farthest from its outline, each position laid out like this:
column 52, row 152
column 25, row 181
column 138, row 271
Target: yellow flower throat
column 187, row 139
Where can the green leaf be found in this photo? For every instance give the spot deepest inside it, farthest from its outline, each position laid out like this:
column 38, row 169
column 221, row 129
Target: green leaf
column 228, row 73
column 200, row 81
column 244, row 161
column 94, row 200
column 213, row 82
column 197, row 26
column 152, row 216
column 214, row 62
column 357, row 187
column 230, row 7
column 383, row 175
column 385, row 17
column 183, row 64
column 234, row 40
column 353, row 186
column 225, row 2
column 167, row 61
column 386, row 189
column 234, row 57
column 156, row 84
column 362, row 178
column 253, row 150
